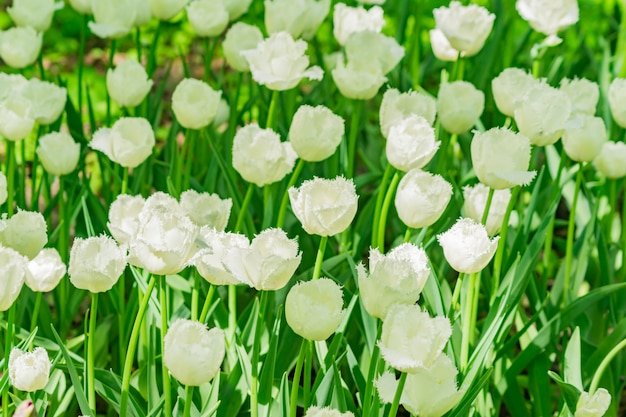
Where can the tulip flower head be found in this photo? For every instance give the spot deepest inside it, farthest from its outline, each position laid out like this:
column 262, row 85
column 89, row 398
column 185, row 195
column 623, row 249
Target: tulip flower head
column 582, row 93
column 124, row 217
column 240, row 37
column 206, row 209
column 300, row 18
column 348, row 20
column 548, row 18
column 360, row 78
column 476, row 200
column 441, row 46
column 411, row 143
column 467, row 246
column 421, row 198
column 326, row 412
column 45, row 271
column 16, row 118
column 34, row 13
column 166, row 9
column 585, row 142
column 128, row 83
column 465, row 27
column 129, row 142
column 29, row 371
column 209, row 260
column 509, row 87
column 315, row 132
column 47, row 100
column 195, row 103
column 610, row 161
column 25, row 231
column 397, row 106
column 617, row 101
column 96, row 263
column 58, row 153
column 593, row 405
column 459, row 105
column 208, row 18
column 113, row 18
column 20, row 46
column 12, row 274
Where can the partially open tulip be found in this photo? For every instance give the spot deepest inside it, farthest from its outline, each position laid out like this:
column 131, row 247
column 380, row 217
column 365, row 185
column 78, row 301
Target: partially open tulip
column 395, row 278
column 617, row 101
column 441, row 46
column 16, row 118
column 459, row 105
column 166, row 9
column 268, row 263
column 45, row 270
column 375, row 46
column 112, row 18
column 58, row 153
column 421, row 198
column 240, row 37
column 360, row 78
column 314, row 309
column 3, row 188
column 34, row 13
column 96, row 263
column 412, row 340
column 582, row 93
column 206, row 209
column 466, row 27
column 315, row 132
column 593, row 405
column 609, row 162
column 25, row 231
column 301, row 18
column 20, row 47
column 124, row 217
column 326, row 412
column 411, row 143
column 548, row 18
column 467, row 246
column 192, row 353
column 128, row 83
column 348, row 20
column 208, row 17
column 195, row 103
column 397, row 106
column 129, row 142
column 509, row 87
column 324, row 207
column 260, row 157
column 584, row 143
column 279, row 62
column 48, row 100
column 476, row 200
column 501, row 158
column 209, row 260
column 12, row 274
column 29, row 371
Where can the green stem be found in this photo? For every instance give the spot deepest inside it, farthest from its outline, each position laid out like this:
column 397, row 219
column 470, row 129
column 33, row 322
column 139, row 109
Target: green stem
column 372, row 374
column 256, row 347
column 282, row 211
column 138, row 43
column 608, row 225
column 188, row 400
column 487, row 206
column 152, row 59
column 456, row 294
column 357, row 109
column 124, row 189
column 8, row 343
column 207, row 304
column 188, row 153
column 81, row 64
column 380, row 197
column 195, row 293
column 595, row 381
column 396, row 399
column 271, row 113
column 468, row 325
column 132, row 345
column 10, row 173
column 244, row 208
column 319, row 258
column 308, row 366
column 164, row 372
column 296, row 379
column 459, row 69
column 382, row 221
column 91, row 373
column 504, row 231
column 624, row 230
column 569, row 248
column 35, row 312
column 108, row 96
column 407, row 234
column 267, row 206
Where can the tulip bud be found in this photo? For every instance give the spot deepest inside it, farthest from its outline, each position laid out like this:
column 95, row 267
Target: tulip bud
column 3, row 188
column 583, row 94
column 16, row 118
column 260, row 157
column 441, row 46
column 124, row 217
column 165, row 237
column 26, row 232
column 192, row 353
column 509, row 87
column 476, row 201
column 279, row 62
column 236, row 8
column 501, row 158
column 20, row 47
column 208, row 18
column 549, row 18
column 584, row 143
column 428, row 392
column 360, row 79
column 372, row 45
column 29, row 371
column 411, row 339
column 96, row 263
column 268, row 263
column 206, row 209
column 395, row 278
column 467, row 247
column 617, row 101
column 610, row 161
column 593, row 405
column 58, row 153
column 459, row 105
column 348, row 20
column 314, row 309
column 129, row 142
column 128, row 83
column 34, row 13
column 195, row 103
column 324, row 207
column 13, row 270
column 397, row 106
column 421, row 198
column 315, row 132
column 411, row 143
column 542, row 113
column 300, row 18
column 166, row 9
column 466, row 27
column 240, row 37
column 326, row 412
column 113, row 18
column 214, row 247
column 45, row 271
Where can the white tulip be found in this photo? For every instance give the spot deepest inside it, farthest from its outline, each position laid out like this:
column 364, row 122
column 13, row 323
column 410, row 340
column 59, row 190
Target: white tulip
column 441, row 46
column 13, row 272
column 509, row 87
column 58, row 153
column 195, row 103
column 96, row 263
column 166, row 9
column 421, row 198
column 476, row 200
column 466, row 27
column 360, row 78
column 34, row 13
column 45, row 271
column 25, row 231
column 124, row 217
column 129, row 142
column 208, row 18
column 315, row 132
column 128, row 83
column 593, row 405
column 459, row 105
column 617, row 101
column 611, row 161
column 397, row 106
column 585, row 142
column 548, row 18
column 20, row 47
column 467, row 247
column 209, row 260
column 348, row 20
column 583, row 94
column 29, row 371
column 240, row 37
column 206, row 209
column 411, row 143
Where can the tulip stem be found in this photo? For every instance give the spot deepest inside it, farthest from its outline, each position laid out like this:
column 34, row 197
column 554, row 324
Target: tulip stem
column 308, row 365
column 271, row 112
column 595, row 381
column 207, row 304
column 487, row 206
column 282, row 211
column 108, row 96
column 244, row 208
column 319, row 258
column 268, row 206
column 396, row 399
column 624, row 231
column 504, row 231
column 468, row 323
column 232, row 311
column 132, row 345
column 195, row 295
column 256, row 346
column 382, row 221
column 357, row 109
column 372, row 374
column 569, row 246
column 124, row 189
column 380, row 197
column 35, row 311
column 167, row 408
column 7, row 351
column 296, row 379
column 91, row 374
column 81, row 64
column 188, row 400
column 456, row 294
column 10, row 155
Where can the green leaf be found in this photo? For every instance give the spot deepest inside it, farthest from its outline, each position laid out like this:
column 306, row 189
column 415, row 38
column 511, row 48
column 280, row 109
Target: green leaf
column 568, row 391
column 571, row 365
